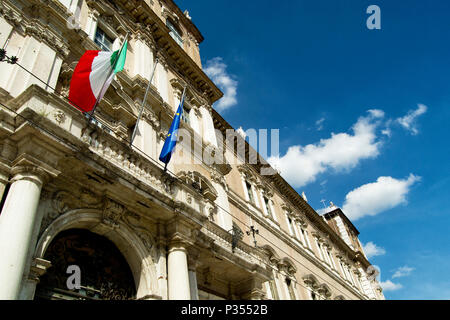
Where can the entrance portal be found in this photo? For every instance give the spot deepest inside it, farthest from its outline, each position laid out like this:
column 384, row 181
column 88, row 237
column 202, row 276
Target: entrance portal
column 104, row 272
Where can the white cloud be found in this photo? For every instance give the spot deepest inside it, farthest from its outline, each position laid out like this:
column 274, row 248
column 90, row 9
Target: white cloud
column 388, row 285
column 323, row 211
column 319, row 124
column 376, row 113
column 402, row 272
column 241, row 132
column 409, row 121
column 373, row 198
column 216, row 70
column 300, row 165
column 372, row 250
column 387, row 132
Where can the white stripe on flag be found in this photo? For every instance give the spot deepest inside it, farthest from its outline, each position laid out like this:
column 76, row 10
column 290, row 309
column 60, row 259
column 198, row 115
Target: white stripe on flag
column 101, row 68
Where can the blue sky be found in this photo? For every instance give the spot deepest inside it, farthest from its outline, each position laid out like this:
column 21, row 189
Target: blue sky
column 314, row 70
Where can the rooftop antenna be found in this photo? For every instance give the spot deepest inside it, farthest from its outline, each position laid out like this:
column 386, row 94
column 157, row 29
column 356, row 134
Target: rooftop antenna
column 323, row 202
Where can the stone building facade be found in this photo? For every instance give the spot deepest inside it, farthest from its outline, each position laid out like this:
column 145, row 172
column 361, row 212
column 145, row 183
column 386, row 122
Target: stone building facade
column 75, row 194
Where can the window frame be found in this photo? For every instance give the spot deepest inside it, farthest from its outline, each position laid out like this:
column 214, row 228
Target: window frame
column 175, row 32
column 185, row 115
column 249, row 191
column 102, row 45
column 266, row 201
column 290, row 288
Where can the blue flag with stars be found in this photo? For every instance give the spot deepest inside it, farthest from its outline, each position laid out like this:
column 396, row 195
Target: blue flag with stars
column 172, row 135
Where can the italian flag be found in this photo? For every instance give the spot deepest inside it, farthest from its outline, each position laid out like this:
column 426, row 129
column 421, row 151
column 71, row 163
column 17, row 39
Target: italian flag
column 93, row 75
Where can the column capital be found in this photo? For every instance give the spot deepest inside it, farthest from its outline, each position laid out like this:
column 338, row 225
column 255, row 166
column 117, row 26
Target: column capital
column 38, row 268
column 178, row 245
column 182, row 231
column 25, row 167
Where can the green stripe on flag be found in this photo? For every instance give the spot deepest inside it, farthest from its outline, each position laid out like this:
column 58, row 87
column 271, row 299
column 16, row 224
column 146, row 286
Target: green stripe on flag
column 120, row 62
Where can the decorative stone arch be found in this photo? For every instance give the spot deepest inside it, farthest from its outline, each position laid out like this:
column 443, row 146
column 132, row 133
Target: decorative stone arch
column 168, row 14
column 270, row 254
column 109, row 14
column 200, row 183
column 138, row 256
column 248, row 174
column 311, row 281
column 324, row 290
column 289, row 266
column 314, row 286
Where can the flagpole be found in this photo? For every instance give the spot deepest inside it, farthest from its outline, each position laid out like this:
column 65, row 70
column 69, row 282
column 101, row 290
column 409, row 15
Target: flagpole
column 109, row 75
column 143, row 103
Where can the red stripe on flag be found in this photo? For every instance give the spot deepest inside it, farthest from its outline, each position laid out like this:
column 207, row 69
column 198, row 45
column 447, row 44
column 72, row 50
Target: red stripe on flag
column 80, row 93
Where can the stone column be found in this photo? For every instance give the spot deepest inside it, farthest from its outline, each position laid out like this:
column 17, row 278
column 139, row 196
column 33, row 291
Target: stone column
column 178, row 275
column 192, row 268
column 17, row 221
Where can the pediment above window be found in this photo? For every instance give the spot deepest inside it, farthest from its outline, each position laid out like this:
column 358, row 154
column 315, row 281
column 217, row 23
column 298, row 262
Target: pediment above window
column 199, row 183
column 270, row 254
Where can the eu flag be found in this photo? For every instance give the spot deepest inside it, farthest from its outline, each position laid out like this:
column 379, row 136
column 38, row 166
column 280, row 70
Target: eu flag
column 172, row 135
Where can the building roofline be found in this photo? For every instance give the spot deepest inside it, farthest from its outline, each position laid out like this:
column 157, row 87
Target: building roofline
column 339, row 212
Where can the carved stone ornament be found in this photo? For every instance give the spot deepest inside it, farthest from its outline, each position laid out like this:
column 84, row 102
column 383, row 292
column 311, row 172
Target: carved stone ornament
column 247, row 173
column 152, row 119
column 60, row 117
column 220, row 179
column 38, row 268
column 133, row 221
column 210, row 210
column 113, row 213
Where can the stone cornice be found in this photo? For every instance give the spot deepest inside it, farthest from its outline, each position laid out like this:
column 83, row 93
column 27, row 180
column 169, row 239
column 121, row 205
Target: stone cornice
column 180, row 62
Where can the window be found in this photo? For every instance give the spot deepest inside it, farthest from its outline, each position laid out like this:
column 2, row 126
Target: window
column 344, row 274
column 103, row 40
column 351, row 277
column 319, row 248
column 290, row 226
column 290, row 289
column 331, row 259
column 175, row 33
column 358, row 280
column 185, row 114
column 305, row 236
column 271, row 290
column 249, row 191
column 267, row 204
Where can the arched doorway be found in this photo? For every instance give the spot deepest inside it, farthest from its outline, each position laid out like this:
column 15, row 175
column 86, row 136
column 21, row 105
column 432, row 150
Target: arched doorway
column 105, row 274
